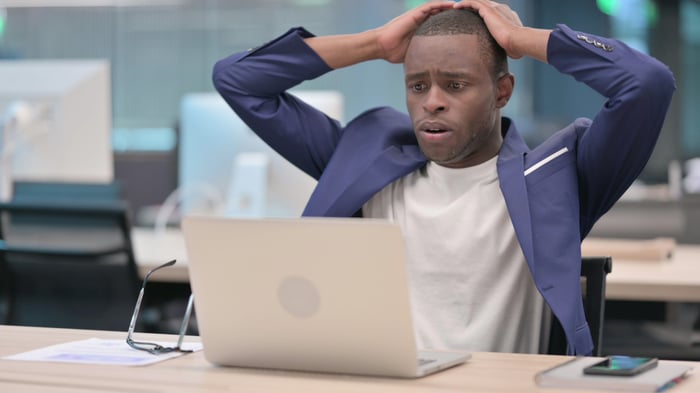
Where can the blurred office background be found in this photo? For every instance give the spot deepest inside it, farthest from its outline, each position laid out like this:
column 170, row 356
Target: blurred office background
column 161, row 54
column 162, row 50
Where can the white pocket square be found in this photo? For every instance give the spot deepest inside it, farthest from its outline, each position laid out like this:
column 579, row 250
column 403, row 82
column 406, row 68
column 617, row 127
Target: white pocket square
column 547, row 159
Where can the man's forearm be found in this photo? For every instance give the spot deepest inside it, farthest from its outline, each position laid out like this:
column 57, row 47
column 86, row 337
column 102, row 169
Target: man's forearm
column 344, row 50
column 532, row 42
column 388, row 42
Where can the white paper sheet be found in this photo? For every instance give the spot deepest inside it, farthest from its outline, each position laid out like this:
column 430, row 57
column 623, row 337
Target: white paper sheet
column 100, row 351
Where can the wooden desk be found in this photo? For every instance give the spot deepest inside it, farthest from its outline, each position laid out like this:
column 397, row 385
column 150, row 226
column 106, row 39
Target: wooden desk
column 485, row 372
column 675, row 280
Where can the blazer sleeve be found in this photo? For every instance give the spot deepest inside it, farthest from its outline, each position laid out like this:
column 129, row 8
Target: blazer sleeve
column 615, row 147
column 254, row 84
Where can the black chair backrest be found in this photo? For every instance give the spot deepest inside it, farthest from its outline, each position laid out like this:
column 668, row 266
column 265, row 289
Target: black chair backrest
column 67, row 262
column 594, row 270
column 65, row 193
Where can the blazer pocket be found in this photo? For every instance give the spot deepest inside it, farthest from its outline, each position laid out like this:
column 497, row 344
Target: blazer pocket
column 548, row 167
column 539, row 164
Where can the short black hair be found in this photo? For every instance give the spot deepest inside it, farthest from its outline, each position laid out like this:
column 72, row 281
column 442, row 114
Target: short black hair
column 467, row 21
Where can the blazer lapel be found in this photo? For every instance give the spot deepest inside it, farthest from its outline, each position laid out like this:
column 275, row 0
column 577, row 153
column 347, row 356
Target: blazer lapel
column 344, row 193
column 511, row 168
column 342, row 196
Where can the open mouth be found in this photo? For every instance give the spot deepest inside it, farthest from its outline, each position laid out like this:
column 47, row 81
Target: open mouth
column 435, row 130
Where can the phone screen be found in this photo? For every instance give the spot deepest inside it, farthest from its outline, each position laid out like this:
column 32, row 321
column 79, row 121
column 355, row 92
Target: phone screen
column 621, row 365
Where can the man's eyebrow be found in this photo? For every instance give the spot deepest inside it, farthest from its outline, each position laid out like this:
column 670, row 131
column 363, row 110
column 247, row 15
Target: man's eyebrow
column 416, row 75
column 444, row 74
column 456, row 74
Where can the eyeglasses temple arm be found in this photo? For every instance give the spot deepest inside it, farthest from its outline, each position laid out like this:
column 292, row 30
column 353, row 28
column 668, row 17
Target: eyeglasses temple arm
column 134, row 316
column 185, row 321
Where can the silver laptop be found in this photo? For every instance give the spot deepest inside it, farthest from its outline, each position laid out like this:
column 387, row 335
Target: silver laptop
column 310, row 294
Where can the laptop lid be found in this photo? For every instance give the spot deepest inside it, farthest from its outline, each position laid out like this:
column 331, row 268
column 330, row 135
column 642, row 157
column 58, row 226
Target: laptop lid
column 311, row 294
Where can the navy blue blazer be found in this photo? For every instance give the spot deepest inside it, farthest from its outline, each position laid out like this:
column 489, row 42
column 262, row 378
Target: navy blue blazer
column 554, row 193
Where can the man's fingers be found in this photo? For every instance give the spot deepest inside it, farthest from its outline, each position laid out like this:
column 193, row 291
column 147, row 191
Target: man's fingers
column 501, row 20
column 481, row 5
column 434, row 7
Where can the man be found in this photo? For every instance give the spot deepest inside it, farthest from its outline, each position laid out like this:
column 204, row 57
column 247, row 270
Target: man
column 491, row 227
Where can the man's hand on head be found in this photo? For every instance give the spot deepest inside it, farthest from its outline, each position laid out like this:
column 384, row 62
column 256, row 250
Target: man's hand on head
column 393, row 37
column 503, row 23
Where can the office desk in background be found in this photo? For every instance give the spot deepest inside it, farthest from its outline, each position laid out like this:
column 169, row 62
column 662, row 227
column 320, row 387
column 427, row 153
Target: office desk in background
column 153, row 248
column 484, row 372
column 674, row 280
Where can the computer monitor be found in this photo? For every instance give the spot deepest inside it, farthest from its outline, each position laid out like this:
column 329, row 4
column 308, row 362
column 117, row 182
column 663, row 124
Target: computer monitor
column 56, row 121
column 226, row 169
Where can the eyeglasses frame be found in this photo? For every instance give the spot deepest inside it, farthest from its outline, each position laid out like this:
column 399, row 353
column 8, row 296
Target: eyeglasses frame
column 151, row 347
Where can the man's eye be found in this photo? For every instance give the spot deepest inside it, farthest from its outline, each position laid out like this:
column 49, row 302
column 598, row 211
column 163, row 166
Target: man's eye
column 456, row 85
column 418, row 87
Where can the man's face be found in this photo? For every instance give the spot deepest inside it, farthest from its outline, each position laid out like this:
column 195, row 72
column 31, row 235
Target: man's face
column 453, row 100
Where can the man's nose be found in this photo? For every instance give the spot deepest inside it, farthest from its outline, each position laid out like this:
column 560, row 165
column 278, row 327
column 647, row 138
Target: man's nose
column 435, row 101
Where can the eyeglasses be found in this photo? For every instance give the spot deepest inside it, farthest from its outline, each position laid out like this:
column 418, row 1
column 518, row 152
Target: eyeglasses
column 150, row 347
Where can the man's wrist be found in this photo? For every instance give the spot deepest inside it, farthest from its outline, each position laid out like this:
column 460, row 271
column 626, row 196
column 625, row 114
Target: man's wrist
column 531, row 42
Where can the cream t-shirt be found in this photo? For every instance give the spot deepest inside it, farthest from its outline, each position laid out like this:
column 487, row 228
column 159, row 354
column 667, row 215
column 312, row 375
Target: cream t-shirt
column 470, row 285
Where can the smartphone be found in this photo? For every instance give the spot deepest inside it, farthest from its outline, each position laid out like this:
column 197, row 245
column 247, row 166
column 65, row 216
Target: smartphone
column 621, row 365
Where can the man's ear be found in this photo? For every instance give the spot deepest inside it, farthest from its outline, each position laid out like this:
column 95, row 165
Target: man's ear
column 504, row 89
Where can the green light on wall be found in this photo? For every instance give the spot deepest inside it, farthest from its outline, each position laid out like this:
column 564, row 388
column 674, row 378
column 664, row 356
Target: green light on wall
column 652, row 13
column 410, row 4
column 3, row 16
column 615, row 7
column 608, row 7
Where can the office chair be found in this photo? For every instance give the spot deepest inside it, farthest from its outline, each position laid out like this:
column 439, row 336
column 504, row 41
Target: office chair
column 595, row 271
column 67, row 262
